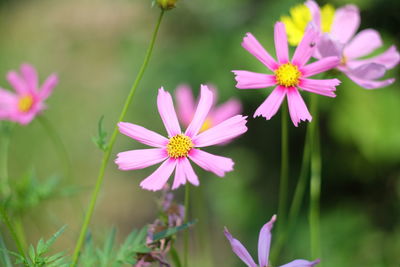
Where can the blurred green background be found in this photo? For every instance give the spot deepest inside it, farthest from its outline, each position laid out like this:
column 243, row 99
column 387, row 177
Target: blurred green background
column 97, row 47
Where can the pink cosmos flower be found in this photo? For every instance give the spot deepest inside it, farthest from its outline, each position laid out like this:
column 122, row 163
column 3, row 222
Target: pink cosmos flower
column 28, row 101
column 176, row 150
column 187, row 107
column 288, row 75
column 264, row 242
column 343, row 42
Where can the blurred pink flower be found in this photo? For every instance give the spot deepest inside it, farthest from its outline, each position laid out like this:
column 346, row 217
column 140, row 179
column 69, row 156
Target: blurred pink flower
column 28, row 101
column 264, row 242
column 343, row 42
column 288, row 75
column 186, row 107
column 175, row 150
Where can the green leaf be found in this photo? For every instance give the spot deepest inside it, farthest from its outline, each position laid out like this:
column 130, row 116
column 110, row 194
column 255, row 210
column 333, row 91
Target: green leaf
column 171, row 231
column 100, row 139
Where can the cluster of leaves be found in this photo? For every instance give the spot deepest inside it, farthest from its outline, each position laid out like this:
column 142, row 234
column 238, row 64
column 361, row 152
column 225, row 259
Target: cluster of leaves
column 101, row 139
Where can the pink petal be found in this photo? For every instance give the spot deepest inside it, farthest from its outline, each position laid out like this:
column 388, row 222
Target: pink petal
column 142, row 135
column 345, row 23
column 30, row 76
column 251, row 44
column 253, row 80
column 281, row 43
column 271, row 105
column 315, row 13
column 239, row 249
column 189, row 172
column 204, row 106
column 8, row 103
column 180, row 178
column 222, row 132
column 48, row 86
column 183, row 172
column 216, row 164
column 390, row 58
column 370, row 84
column 228, row 109
column 140, row 158
column 24, row 118
column 363, row 44
column 167, row 113
column 159, row 178
column 321, row 87
column 17, row 83
column 297, row 108
column 329, row 48
column 320, row 66
column 371, row 71
column 264, row 242
column 301, row 263
column 306, row 47
column 186, row 104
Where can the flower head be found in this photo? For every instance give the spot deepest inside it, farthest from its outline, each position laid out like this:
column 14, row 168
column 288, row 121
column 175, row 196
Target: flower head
column 28, row 100
column 288, row 75
column 176, row 150
column 186, row 105
column 343, row 42
column 264, row 242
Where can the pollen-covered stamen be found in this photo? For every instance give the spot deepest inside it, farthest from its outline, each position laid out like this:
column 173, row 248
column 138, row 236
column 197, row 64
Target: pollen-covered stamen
column 25, row 103
column 179, row 146
column 287, row 75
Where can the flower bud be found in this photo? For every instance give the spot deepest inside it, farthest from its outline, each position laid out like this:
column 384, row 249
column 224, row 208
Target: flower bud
column 166, row 4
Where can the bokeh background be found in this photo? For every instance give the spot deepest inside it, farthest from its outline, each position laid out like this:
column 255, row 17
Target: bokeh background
column 97, row 47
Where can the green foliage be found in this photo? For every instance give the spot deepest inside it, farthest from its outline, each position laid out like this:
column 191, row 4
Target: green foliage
column 171, row 231
column 100, row 139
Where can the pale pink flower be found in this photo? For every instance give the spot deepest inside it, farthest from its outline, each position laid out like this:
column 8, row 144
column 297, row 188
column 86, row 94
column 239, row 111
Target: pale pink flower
column 176, row 150
column 186, row 107
column 28, row 100
column 343, row 42
column 264, row 242
column 289, row 76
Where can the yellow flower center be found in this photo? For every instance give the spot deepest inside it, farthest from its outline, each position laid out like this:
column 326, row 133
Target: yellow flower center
column 179, row 146
column 343, row 60
column 206, row 125
column 299, row 18
column 287, row 75
column 25, row 103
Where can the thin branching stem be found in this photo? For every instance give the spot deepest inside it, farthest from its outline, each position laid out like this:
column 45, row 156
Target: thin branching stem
column 186, row 236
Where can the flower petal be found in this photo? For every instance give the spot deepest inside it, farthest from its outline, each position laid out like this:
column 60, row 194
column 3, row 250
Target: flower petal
column 48, row 86
column 301, row 263
column 251, row 44
column 8, row 103
column 213, row 163
column 239, row 249
column 186, row 104
column 30, row 76
column 222, row 132
column 180, row 178
column 281, row 43
column 228, row 109
column 159, row 178
column 271, row 105
column 140, row 158
column 190, row 174
column 264, row 242
column 345, row 23
column 203, row 108
column 322, row 87
column 370, row 84
column 306, row 47
column 390, row 58
column 320, row 66
column 184, row 172
column 315, row 13
column 329, row 48
column 142, row 135
column 253, row 80
column 297, row 108
column 363, row 43
column 17, row 83
column 167, row 113
column 371, row 71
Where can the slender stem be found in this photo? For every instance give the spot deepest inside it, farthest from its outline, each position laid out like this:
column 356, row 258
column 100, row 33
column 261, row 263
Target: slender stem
column 283, row 184
column 315, row 184
column 175, row 256
column 6, row 219
column 186, row 237
column 58, row 144
column 4, row 252
column 19, row 230
column 107, row 152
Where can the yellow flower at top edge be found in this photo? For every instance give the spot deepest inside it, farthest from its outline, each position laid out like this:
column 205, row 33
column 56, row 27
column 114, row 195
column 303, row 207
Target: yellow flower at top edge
column 299, row 18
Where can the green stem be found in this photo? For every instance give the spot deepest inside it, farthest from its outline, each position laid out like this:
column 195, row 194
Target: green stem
column 58, row 144
column 107, row 152
column 315, row 183
column 19, row 230
column 4, row 252
column 283, row 184
column 6, row 219
column 186, row 236
column 175, row 256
